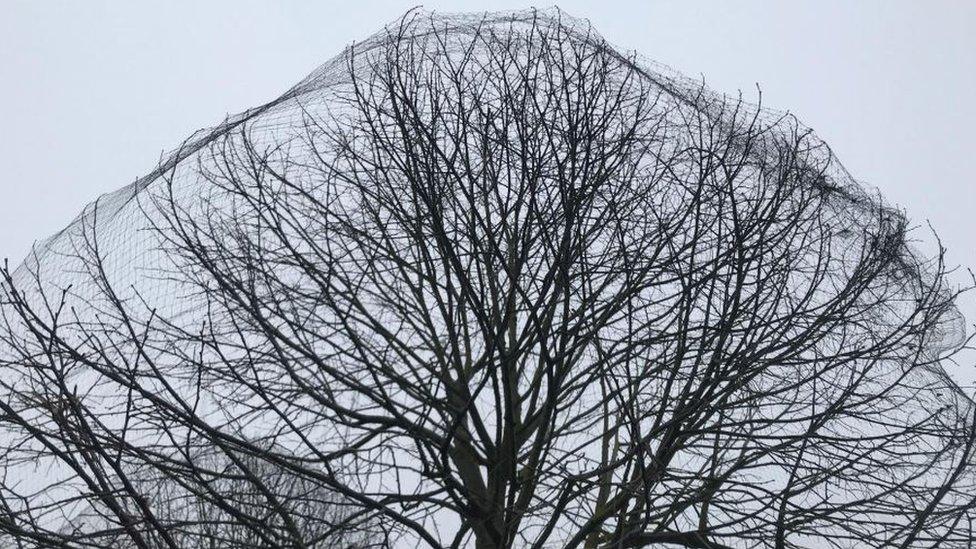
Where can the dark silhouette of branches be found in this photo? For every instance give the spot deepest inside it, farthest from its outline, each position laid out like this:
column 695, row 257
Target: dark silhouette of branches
column 486, row 281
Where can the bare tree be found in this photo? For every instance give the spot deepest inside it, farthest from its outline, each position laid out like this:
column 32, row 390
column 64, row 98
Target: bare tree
column 486, row 281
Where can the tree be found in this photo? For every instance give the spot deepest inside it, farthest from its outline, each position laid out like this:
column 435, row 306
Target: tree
column 486, row 281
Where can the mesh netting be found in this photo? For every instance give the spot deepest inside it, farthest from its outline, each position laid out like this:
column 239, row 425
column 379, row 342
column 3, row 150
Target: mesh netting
column 119, row 218
column 144, row 249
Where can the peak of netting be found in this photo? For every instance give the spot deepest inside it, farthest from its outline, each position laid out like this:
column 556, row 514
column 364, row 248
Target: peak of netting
column 123, row 219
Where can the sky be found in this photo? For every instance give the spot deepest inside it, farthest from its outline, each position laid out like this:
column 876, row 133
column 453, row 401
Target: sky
column 92, row 93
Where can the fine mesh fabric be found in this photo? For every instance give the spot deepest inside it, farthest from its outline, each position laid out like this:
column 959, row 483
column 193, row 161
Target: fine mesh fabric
column 123, row 225
column 129, row 232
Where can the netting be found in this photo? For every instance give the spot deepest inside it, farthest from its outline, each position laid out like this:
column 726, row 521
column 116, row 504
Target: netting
column 127, row 250
column 117, row 216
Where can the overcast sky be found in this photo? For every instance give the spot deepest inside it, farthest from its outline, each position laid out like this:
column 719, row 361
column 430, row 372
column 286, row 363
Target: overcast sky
column 92, row 92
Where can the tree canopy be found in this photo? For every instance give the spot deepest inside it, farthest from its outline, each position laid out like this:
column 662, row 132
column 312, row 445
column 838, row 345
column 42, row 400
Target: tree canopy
column 484, row 280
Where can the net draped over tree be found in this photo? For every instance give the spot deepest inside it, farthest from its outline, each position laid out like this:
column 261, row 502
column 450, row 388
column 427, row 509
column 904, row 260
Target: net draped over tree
column 483, row 280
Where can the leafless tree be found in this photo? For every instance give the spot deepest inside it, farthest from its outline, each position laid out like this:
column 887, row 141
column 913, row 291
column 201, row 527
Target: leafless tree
column 485, row 281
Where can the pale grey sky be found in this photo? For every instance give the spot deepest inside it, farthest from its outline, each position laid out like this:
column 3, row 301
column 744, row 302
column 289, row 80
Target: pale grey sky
column 92, row 92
